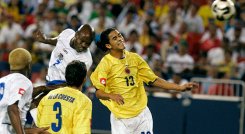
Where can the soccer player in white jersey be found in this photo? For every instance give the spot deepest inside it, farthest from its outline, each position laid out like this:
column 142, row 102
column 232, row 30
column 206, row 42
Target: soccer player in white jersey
column 67, row 110
column 119, row 79
column 69, row 46
column 16, row 94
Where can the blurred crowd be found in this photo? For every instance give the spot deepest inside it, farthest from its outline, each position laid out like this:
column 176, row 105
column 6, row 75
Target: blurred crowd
column 179, row 39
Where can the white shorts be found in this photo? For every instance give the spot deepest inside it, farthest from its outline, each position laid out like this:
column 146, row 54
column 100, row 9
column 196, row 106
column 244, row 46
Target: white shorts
column 141, row 124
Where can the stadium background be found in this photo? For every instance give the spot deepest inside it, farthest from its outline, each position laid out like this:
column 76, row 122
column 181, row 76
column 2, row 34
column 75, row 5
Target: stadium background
column 179, row 39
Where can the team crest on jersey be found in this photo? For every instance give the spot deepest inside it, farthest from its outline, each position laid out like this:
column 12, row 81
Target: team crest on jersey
column 127, row 71
column 103, row 81
column 60, row 56
column 21, row 91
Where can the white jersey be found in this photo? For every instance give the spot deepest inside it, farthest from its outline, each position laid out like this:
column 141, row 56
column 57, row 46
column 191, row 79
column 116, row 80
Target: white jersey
column 63, row 54
column 14, row 87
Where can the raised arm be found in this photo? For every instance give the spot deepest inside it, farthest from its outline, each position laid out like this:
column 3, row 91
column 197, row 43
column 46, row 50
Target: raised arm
column 161, row 83
column 41, row 37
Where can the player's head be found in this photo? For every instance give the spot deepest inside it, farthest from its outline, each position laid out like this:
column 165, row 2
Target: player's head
column 111, row 39
column 20, row 60
column 83, row 38
column 75, row 73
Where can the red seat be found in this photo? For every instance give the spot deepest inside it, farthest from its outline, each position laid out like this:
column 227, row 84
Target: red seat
column 221, row 89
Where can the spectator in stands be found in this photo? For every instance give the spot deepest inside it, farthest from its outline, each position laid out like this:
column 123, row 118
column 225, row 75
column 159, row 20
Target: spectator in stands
column 193, row 20
column 151, row 56
column 133, row 44
column 181, row 61
column 206, row 14
column 211, row 38
column 228, row 67
column 171, row 25
column 102, row 21
column 168, row 47
column 83, row 9
column 10, row 33
column 144, row 36
column 127, row 24
column 74, row 23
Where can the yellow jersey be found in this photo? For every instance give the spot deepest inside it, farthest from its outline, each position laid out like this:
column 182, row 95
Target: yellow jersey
column 125, row 77
column 66, row 111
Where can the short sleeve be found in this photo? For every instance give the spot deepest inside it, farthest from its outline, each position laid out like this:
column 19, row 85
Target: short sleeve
column 66, row 33
column 99, row 76
column 145, row 72
column 20, row 87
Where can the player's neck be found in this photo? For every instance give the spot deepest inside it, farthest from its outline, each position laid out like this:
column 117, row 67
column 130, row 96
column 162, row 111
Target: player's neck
column 76, row 88
column 118, row 54
column 19, row 71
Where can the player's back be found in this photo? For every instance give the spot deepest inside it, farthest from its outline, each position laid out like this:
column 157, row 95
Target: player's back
column 14, row 87
column 66, row 111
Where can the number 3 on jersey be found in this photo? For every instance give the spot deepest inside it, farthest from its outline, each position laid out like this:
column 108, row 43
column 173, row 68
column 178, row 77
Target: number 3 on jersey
column 57, row 126
column 129, row 80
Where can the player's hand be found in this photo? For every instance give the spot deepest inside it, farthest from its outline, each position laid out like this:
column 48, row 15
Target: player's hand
column 189, row 86
column 117, row 98
column 39, row 36
column 42, row 130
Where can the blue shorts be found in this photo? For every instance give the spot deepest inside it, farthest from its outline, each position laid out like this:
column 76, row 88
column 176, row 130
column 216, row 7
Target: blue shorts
column 55, row 82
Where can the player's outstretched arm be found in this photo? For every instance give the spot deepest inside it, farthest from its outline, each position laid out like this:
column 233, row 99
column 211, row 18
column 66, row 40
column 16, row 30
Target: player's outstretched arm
column 172, row 86
column 40, row 91
column 108, row 96
column 41, row 37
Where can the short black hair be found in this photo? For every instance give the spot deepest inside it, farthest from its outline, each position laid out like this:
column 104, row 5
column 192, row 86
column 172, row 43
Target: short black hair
column 75, row 73
column 104, row 39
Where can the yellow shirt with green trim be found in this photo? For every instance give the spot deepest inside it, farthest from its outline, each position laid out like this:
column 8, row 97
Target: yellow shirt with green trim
column 65, row 111
column 125, row 77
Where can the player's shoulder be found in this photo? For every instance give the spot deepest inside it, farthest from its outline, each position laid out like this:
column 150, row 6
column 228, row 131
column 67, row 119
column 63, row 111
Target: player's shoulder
column 19, row 77
column 67, row 32
column 133, row 55
column 106, row 59
column 86, row 100
column 82, row 96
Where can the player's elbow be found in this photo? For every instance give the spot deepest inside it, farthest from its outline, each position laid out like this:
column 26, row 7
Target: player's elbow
column 97, row 94
column 102, row 95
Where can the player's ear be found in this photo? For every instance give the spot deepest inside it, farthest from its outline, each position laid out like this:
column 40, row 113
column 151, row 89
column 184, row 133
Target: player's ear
column 108, row 46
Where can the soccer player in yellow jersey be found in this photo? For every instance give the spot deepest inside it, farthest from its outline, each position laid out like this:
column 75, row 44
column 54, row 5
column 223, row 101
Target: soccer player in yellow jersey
column 119, row 79
column 67, row 110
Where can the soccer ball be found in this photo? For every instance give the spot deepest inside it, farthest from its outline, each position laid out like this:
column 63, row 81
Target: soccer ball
column 223, row 9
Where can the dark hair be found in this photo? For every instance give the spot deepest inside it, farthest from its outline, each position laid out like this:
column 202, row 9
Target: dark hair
column 104, row 39
column 75, row 73
column 87, row 28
